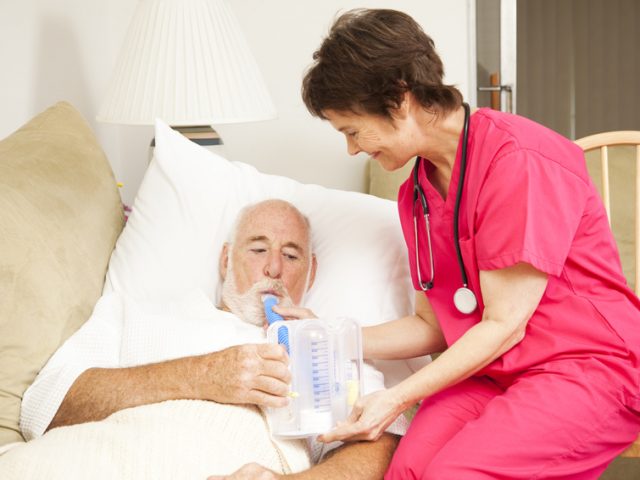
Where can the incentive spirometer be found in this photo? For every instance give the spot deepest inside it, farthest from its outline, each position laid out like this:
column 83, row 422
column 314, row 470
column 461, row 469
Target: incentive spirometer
column 326, row 372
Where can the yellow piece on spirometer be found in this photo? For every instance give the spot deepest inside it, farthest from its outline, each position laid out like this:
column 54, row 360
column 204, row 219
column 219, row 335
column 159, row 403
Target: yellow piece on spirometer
column 353, row 390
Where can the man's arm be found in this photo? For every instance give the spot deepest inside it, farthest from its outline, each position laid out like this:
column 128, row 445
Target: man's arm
column 352, row 461
column 255, row 374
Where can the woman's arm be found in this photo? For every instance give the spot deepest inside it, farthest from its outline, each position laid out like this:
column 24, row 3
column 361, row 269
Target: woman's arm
column 510, row 295
column 407, row 337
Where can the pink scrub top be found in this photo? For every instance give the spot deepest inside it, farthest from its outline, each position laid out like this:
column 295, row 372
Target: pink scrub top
column 528, row 198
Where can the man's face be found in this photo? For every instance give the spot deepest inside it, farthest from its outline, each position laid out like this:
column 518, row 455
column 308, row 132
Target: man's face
column 270, row 255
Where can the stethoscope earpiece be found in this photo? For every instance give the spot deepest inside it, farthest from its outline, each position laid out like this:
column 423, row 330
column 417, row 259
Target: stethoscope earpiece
column 464, row 299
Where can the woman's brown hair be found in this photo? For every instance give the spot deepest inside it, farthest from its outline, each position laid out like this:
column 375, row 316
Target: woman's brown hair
column 369, row 60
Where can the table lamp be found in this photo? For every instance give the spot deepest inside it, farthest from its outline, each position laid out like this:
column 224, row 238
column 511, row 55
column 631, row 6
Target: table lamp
column 187, row 63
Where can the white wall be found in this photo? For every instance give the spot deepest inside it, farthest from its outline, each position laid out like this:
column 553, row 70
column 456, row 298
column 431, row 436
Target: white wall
column 66, row 49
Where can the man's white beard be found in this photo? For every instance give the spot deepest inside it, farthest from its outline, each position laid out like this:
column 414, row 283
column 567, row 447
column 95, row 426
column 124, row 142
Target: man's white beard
column 248, row 305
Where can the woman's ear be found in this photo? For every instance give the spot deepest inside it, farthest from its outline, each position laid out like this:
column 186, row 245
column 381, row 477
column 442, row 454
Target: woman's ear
column 403, row 110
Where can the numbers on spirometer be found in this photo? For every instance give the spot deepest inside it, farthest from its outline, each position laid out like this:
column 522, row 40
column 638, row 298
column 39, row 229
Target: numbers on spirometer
column 320, row 373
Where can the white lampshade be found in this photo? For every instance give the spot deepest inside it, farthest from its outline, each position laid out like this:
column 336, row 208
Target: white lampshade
column 187, row 63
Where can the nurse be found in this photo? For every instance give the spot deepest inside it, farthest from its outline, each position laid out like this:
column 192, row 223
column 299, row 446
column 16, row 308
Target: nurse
column 540, row 377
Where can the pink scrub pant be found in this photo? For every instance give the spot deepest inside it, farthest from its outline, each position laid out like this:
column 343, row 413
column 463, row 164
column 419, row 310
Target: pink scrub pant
column 560, row 422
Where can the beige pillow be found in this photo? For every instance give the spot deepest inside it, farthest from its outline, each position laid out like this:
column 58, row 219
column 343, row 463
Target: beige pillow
column 60, row 215
column 385, row 184
column 622, row 190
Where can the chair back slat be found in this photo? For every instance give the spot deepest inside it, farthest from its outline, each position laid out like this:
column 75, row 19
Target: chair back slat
column 606, row 194
column 622, row 137
column 637, row 222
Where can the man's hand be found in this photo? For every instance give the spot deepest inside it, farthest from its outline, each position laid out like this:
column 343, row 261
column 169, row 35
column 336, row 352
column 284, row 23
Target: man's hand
column 255, row 374
column 251, row 471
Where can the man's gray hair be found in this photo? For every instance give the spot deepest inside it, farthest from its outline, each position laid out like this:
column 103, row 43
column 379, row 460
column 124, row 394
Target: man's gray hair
column 246, row 210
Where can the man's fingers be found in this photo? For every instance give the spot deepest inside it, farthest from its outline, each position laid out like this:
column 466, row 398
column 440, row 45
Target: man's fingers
column 271, row 386
column 277, row 370
column 271, row 351
column 258, row 397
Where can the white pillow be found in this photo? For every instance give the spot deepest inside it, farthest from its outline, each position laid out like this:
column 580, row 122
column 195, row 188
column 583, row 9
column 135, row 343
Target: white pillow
column 186, row 206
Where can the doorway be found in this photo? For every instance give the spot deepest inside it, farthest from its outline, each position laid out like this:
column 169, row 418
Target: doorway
column 575, row 65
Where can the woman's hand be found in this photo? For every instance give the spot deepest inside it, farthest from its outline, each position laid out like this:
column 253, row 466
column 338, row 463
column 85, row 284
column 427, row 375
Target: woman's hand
column 251, row 471
column 291, row 313
column 370, row 417
column 294, row 313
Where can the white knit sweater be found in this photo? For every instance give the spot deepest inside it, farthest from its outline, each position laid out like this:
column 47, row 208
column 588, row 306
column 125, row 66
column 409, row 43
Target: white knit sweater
column 122, row 332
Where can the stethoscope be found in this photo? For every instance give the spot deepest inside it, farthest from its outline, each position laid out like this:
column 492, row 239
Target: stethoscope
column 464, row 299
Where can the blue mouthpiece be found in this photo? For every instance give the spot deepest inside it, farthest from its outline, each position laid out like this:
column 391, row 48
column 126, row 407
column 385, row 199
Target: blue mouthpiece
column 269, row 301
column 283, row 332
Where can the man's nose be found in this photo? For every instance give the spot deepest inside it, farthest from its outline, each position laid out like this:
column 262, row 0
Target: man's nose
column 273, row 268
column 352, row 146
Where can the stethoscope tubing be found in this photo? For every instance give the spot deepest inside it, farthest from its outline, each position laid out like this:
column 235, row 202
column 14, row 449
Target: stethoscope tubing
column 464, row 299
column 456, row 207
column 419, row 194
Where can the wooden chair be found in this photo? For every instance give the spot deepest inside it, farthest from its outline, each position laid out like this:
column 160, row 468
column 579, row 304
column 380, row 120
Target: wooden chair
column 603, row 141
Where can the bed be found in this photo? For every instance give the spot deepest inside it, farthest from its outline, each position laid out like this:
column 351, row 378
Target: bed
column 66, row 246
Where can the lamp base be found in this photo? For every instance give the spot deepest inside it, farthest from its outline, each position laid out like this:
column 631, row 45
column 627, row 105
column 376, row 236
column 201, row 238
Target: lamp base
column 200, row 134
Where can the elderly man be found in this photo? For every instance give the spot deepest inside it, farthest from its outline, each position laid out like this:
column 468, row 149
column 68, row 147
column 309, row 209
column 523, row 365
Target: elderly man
column 270, row 253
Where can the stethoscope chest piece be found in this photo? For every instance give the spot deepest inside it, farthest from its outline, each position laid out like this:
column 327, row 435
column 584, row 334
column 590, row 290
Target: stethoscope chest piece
column 465, row 300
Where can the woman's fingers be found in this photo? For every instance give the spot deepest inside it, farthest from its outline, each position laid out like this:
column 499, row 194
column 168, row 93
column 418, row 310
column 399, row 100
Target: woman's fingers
column 352, row 428
column 294, row 313
column 368, row 419
column 341, row 432
column 356, row 412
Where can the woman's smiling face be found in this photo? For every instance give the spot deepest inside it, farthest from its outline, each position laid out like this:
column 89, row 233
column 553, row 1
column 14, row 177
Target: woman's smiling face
column 384, row 139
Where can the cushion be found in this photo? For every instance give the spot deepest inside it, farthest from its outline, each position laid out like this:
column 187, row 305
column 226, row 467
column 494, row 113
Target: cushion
column 386, row 184
column 184, row 211
column 622, row 192
column 60, row 215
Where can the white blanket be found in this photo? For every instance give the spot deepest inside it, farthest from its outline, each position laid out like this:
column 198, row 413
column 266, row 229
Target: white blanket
column 181, row 439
